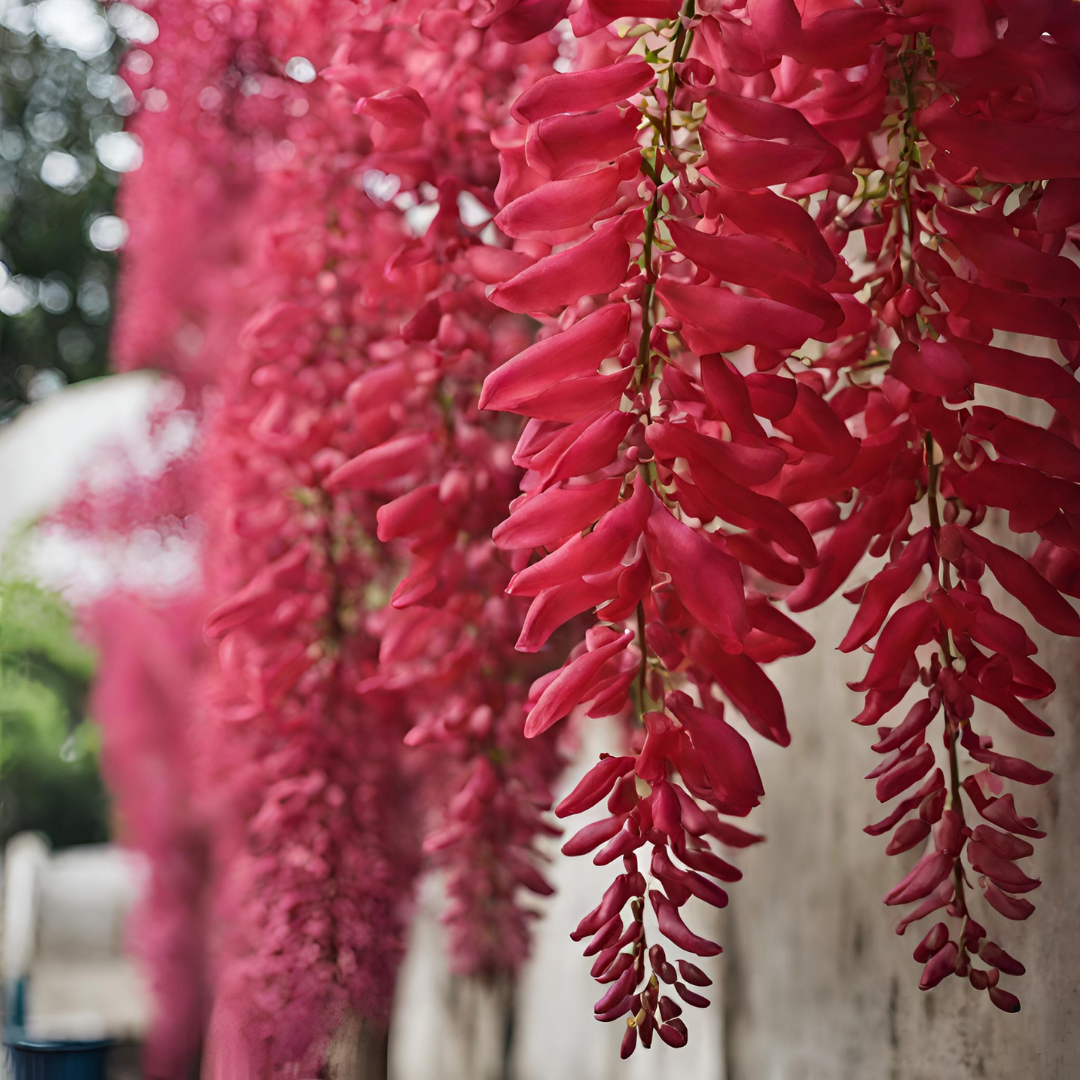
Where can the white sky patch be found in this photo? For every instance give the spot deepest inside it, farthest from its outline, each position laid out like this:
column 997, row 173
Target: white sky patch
column 60, row 170
column 73, row 24
column 15, row 297
column 419, row 218
column 473, row 212
column 132, row 24
column 119, row 150
column 300, row 69
column 108, row 232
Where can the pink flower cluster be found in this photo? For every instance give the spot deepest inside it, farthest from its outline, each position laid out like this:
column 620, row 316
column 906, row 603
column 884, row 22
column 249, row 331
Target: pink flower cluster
column 143, row 699
column 203, row 133
column 953, row 121
column 547, row 364
column 354, row 378
column 444, row 475
column 924, row 136
column 151, row 658
column 618, row 497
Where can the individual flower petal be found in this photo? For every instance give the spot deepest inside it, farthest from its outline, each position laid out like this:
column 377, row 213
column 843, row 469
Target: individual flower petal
column 569, row 145
column 708, row 581
column 725, row 754
column 717, row 320
column 560, row 209
column 583, row 91
column 571, row 686
column 571, row 354
column 596, row 265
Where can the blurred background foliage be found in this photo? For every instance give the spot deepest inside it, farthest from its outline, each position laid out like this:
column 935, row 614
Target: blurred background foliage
column 62, row 152
column 48, row 750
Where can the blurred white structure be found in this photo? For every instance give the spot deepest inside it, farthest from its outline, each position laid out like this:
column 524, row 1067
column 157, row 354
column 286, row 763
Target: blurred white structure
column 64, row 912
column 64, row 928
column 44, row 451
column 89, row 434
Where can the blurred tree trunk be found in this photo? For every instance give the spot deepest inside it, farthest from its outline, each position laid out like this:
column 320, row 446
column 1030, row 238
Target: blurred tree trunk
column 359, row 1051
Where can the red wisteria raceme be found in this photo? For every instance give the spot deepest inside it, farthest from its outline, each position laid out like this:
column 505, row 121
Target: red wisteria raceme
column 145, row 629
column 606, row 340
column 318, row 849
column 178, row 310
column 651, row 480
column 202, row 133
column 768, row 97
column 444, row 475
column 142, row 612
column 954, row 211
column 353, row 385
column 285, row 712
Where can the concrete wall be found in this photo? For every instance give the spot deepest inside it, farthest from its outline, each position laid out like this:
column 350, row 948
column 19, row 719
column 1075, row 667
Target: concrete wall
column 818, row 986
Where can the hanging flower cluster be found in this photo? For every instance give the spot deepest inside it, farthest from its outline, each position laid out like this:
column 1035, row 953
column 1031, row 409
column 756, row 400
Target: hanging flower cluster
column 319, row 863
column 146, row 633
column 444, row 474
column 596, row 344
column 643, row 193
column 953, row 209
column 202, row 132
column 355, row 378
column 650, row 478
column 143, row 700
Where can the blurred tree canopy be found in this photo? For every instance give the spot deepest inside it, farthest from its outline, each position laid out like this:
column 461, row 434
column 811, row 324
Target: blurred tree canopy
column 62, row 152
column 48, row 751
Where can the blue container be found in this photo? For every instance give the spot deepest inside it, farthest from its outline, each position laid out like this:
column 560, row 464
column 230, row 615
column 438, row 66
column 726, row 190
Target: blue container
column 39, row 1059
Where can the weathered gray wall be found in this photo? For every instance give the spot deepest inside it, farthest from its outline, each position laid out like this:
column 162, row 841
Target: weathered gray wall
column 819, row 987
